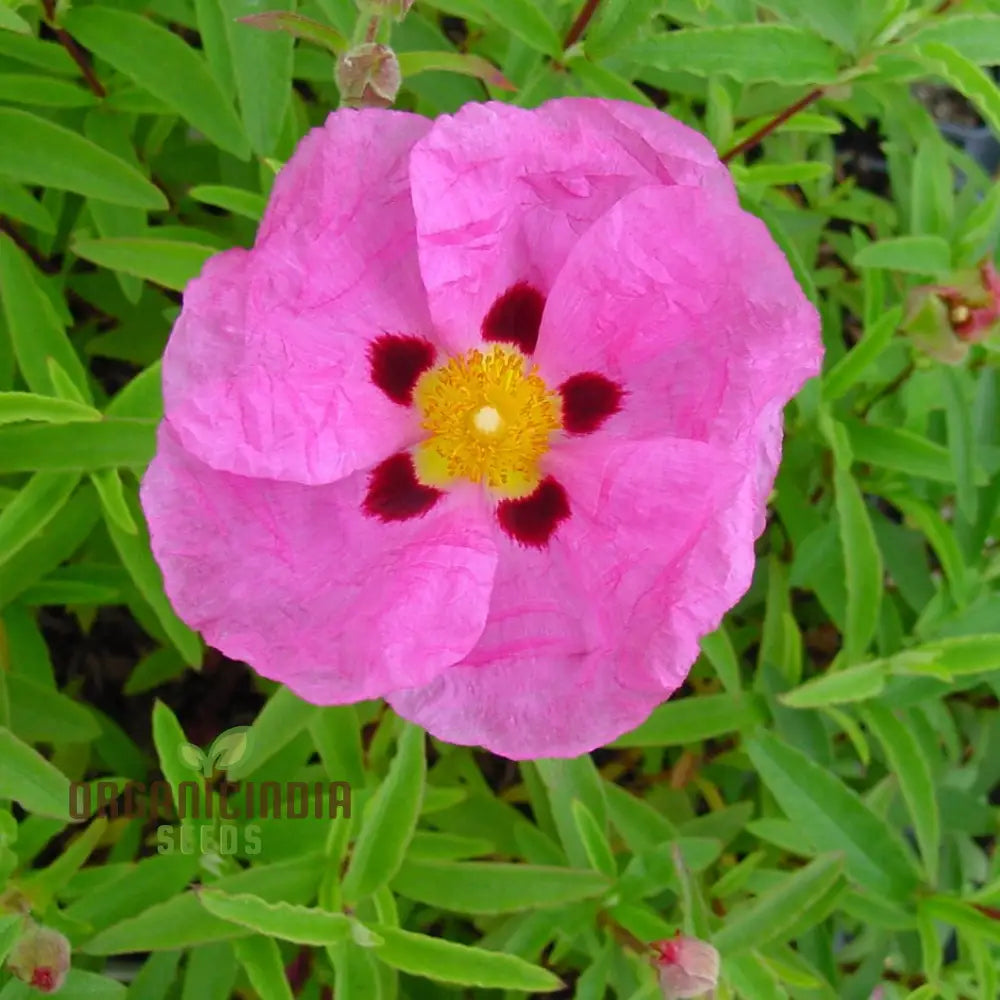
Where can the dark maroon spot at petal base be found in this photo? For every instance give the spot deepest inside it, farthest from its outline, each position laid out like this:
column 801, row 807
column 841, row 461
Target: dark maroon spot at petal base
column 395, row 494
column 515, row 317
column 588, row 400
column 397, row 361
column 533, row 520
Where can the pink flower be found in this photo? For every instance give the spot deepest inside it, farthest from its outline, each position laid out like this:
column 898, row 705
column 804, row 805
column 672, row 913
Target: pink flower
column 485, row 421
column 40, row 958
column 687, row 967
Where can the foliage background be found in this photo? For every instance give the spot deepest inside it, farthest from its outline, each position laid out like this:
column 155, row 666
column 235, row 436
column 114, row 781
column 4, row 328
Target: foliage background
column 820, row 801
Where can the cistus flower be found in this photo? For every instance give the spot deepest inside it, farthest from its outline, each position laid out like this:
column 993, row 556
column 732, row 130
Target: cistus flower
column 687, row 967
column 40, row 958
column 485, row 421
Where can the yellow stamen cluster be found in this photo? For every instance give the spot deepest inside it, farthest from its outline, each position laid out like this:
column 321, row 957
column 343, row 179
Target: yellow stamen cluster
column 490, row 420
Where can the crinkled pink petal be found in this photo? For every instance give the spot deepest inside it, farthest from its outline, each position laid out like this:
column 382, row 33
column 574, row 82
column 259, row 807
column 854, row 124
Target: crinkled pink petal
column 296, row 581
column 502, row 194
column 686, row 302
column 266, row 372
column 586, row 637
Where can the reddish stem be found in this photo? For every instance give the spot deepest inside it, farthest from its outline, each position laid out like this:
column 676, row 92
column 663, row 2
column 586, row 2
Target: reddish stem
column 74, row 50
column 765, row 130
column 579, row 26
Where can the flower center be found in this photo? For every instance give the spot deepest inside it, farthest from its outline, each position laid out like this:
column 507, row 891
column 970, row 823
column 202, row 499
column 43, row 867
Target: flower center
column 490, row 421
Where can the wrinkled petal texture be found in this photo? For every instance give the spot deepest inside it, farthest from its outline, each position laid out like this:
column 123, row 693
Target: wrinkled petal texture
column 586, row 637
column 296, row 581
column 502, row 194
column 266, row 373
column 685, row 300
column 607, row 240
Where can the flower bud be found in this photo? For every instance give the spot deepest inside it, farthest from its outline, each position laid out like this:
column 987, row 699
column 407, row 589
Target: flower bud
column 943, row 320
column 368, row 76
column 688, row 967
column 40, row 958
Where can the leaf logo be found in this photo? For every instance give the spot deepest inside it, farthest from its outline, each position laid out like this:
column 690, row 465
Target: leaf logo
column 227, row 750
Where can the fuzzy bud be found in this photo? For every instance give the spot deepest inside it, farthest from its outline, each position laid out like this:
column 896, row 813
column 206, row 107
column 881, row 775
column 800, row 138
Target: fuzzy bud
column 687, row 967
column 40, row 958
column 368, row 76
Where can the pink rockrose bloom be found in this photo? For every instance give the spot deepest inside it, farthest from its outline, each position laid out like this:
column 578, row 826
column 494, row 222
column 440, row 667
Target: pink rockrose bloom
column 484, row 423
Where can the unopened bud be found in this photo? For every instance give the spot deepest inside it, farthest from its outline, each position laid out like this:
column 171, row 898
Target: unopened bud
column 687, row 967
column 40, row 958
column 368, row 76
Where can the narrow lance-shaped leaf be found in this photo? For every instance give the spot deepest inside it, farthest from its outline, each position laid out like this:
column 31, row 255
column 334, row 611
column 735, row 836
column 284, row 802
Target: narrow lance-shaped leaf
column 36, row 151
column 389, row 821
column 832, row 818
column 162, row 63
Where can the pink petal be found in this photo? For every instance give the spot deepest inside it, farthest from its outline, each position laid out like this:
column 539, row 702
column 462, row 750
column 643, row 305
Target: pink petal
column 267, row 372
column 300, row 584
column 587, row 636
column 502, row 193
column 685, row 301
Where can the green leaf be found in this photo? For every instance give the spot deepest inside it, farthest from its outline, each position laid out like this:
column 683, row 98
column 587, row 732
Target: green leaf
column 852, row 366
column 777, row 915
column 448, row 962
column 170, row 263
column 466, row 64
column 136, row 557
column 45, row 91
column 747, row 52
column 262, row 64
column 83, row 447
column 182, row 921
column 236, row 200
column 162, row 63
column 298, row 924
column 299, row 27
column 494, row 887
column 911, row 254
column 694, row 718
column 908, row 762
column 965, row 76
column 82, row 985
column 594, row 839
column 900, row 450
column 210, row 973
column 35, row 329
column 863, row 565
column 526, row 20
column 857, row 683
column 262, row 962
column 36, row 151
column 961, row 443
column 975, row 36
column 9, row 21
column 17, row 203
column 778, row 174
column 36, row 503
column 41, row 886
column 962, row 916
column 40, row 713
column 832, row 818
column 389, row 820
column 951, row 658
column 168, row 738
column 28, row 778
column 279, row 722
column 111, row 491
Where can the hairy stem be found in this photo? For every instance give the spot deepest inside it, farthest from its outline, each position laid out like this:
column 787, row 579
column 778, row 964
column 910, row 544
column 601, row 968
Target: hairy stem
column 74, row 50
column 579, row 26
column 779, row 119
